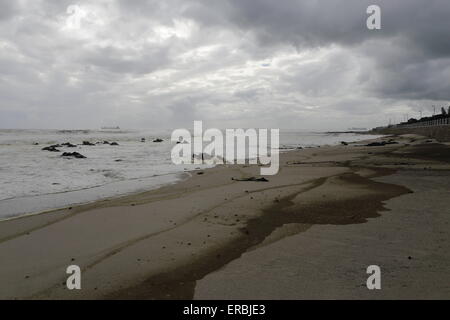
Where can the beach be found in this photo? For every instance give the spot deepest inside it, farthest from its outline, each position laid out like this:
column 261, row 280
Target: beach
column 308, row 232
column 116, row 163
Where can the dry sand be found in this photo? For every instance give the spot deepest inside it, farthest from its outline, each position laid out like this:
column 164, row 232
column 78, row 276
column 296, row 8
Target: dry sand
column 309, row 232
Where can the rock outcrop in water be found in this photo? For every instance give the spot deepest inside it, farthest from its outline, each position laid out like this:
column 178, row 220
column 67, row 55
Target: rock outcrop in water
column 68, row 145
column 52, row 148
column 73, row 155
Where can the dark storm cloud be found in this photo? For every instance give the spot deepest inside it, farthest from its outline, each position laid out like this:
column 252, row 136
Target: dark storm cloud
column 306, row 23
column 232, row 62
column 418, row 31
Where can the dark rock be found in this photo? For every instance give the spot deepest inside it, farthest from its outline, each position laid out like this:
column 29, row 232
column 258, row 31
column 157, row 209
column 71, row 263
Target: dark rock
column 344, row 143
column 118, row 160
column 87, row 143
column 51, row 149
column 73, row 155
column 68, row 145
column 114, row 144
column 142, row 139
column 158, row 140
column 106, row 142
column 35, row 144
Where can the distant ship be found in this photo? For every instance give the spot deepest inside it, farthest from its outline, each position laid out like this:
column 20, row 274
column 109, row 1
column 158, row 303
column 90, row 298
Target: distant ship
column 110, row 128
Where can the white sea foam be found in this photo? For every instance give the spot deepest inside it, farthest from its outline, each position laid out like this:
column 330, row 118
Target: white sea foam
column 32, row 180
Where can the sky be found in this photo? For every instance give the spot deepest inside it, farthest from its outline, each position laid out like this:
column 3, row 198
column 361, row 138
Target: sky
column 304, row 64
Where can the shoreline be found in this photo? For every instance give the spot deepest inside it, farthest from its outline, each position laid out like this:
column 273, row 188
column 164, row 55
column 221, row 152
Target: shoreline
column 172, row 178
column 22, row 205
column 198, row 225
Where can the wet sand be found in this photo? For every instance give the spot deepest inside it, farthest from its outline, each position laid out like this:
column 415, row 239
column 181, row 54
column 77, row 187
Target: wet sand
column 209, row 236
column 409, row 242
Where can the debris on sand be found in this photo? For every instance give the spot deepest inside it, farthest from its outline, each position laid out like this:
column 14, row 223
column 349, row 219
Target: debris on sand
column 380, row 144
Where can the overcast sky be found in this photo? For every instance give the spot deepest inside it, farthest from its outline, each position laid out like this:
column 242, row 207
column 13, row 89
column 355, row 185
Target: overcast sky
column 303, row 64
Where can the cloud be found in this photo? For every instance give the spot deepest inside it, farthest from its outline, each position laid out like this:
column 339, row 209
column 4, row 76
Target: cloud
column 231, row 63
column 9, row 9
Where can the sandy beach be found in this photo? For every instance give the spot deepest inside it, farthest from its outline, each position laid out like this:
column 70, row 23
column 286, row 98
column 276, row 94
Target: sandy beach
column 308, row 232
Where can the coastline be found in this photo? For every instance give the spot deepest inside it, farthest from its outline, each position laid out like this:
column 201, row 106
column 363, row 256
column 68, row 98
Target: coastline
column 65, row 199
column 159, row 244
column 113, row 171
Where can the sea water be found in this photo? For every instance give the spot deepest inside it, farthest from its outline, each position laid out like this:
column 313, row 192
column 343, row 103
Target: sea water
column 33, row 180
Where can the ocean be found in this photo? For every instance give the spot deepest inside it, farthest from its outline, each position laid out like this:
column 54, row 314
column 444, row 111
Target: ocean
column 33, row 180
